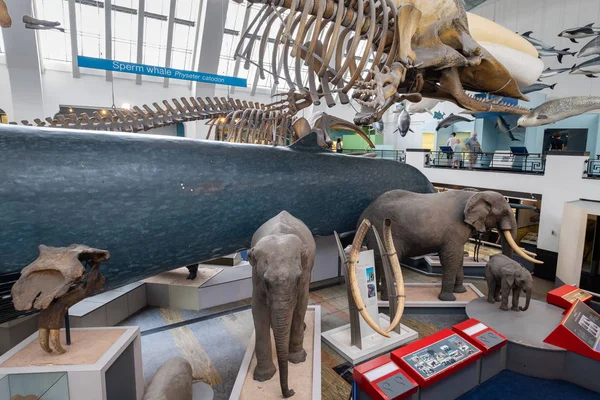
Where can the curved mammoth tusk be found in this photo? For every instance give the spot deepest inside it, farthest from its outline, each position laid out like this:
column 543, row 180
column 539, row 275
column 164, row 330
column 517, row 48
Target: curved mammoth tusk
column 518, row 250
column 529, row 253
column 397, row 271
column 353, row 279
column 43, row 339
column 55, row 339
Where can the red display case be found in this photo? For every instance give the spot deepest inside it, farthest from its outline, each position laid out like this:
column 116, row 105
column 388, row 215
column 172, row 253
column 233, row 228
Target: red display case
column 382, row 379
column 566, row 295
column 482, row 336
column 579, row 331
column 431, row 359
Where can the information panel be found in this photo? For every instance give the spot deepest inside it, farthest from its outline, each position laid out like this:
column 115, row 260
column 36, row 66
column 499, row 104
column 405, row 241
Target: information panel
column 585, row 324
column 439, row 356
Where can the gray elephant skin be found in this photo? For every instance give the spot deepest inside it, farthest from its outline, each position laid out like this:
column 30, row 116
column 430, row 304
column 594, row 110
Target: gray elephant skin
column 282, row 257
column 439, row 223
column 503, row 275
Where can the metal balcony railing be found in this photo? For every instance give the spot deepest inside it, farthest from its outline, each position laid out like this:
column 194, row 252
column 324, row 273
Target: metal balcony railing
column 395, row 155
column 593, row 168
column 533, row 163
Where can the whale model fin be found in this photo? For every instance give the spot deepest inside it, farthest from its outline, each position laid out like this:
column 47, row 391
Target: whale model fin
column 309, row 142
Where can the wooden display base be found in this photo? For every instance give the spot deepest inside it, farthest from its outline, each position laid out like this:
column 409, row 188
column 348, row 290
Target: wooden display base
column 425, row 295
column 372, row 346
column 304, row 378
column 100, row 363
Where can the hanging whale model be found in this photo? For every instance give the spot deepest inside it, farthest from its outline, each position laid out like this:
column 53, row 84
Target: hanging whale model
column 537, row 87
column 159, row 203
column 556, row 110
column 590, row 68
column 590, row 49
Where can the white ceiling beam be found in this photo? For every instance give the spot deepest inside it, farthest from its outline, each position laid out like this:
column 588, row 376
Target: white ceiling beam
column 74, row 47
column 140, row 38
column 170, row 31
column 236, row 68
column 108, row 49
column 196, row 40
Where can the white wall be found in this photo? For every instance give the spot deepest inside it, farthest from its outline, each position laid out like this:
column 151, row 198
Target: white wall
column 5, row 96
column 561, row 183
column 547, row 18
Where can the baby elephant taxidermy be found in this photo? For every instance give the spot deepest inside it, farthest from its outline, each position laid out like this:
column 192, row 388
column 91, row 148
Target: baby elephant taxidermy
column 503, row 274
column 282, row 258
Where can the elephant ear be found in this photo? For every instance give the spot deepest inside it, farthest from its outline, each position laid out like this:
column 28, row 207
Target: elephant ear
column 250, row 256
column 508, row 272
column 477, row 210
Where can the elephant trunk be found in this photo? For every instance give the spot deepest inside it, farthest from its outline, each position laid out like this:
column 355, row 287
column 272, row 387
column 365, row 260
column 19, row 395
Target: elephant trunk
column 281, row 323
column 527, row 300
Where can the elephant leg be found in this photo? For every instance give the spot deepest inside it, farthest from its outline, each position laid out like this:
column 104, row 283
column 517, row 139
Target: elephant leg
column 516, row 293
column 491, row 282
column 497, row 292
column 460, row 276
column 297, row 354
column 265, row 369
column 451, row 258
column 505, row 289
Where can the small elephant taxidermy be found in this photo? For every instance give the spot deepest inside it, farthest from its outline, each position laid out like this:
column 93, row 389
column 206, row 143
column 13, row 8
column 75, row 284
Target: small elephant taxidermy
column 282, row 257
column 503, row 274
column 55, row 281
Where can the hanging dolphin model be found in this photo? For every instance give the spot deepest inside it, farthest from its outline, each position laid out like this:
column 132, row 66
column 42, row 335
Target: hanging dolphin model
column 403, row 120
column 557, row 110
column 579, row 33
column 549, row 72
column 536, row 87
column 590, row 49
column 589, row 68
column 159, row 203
column 538, row 44
column 559, row 54
column 503, row 127
column 451, row 120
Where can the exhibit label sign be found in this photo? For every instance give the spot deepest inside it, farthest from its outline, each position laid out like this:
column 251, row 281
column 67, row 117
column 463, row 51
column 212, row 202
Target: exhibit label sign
column 162, row 72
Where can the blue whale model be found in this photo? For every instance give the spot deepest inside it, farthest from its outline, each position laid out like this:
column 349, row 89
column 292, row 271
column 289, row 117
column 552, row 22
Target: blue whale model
column 158, row 203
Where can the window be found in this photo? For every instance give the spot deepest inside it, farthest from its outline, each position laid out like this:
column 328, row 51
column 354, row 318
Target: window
column 90, row 29
column 54, row 45
column 125, row 30
column 155, row 32
column 231, row 38
column 184, row 34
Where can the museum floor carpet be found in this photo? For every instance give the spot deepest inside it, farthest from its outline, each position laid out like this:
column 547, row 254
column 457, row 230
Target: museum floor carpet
column 214, row 340
column 511, row 385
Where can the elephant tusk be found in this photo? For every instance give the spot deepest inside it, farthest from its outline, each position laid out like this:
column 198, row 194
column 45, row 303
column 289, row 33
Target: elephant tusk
column 43, row 339
column 518, row 250
column 529, row 253
column 395, row 263
column 352, row 277
column 55, row 339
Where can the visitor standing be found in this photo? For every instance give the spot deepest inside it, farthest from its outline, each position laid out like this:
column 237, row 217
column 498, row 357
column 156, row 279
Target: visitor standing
column 450, row 143
column 456, row 154
column 474, row 148
column 556, row 144
column 338, row 146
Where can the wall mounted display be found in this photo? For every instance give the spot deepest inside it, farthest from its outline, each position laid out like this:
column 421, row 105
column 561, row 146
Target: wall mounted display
column 579, row 331
column 566, row 295
column 431, row 359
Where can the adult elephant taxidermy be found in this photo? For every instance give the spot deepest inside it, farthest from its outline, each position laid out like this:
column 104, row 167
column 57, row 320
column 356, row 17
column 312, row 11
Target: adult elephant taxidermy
column 504, row 274
column 282, row 256
column 442, row 223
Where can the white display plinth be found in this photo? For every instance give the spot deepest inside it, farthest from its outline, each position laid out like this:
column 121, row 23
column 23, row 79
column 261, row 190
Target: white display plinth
column 106, row 365
column 304, row 378
column 373, row 345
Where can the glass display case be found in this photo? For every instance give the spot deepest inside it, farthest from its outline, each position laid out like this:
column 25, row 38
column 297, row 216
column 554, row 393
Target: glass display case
column 44, row 386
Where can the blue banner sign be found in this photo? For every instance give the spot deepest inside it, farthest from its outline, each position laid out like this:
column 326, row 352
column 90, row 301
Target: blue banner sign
column 162, row 72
